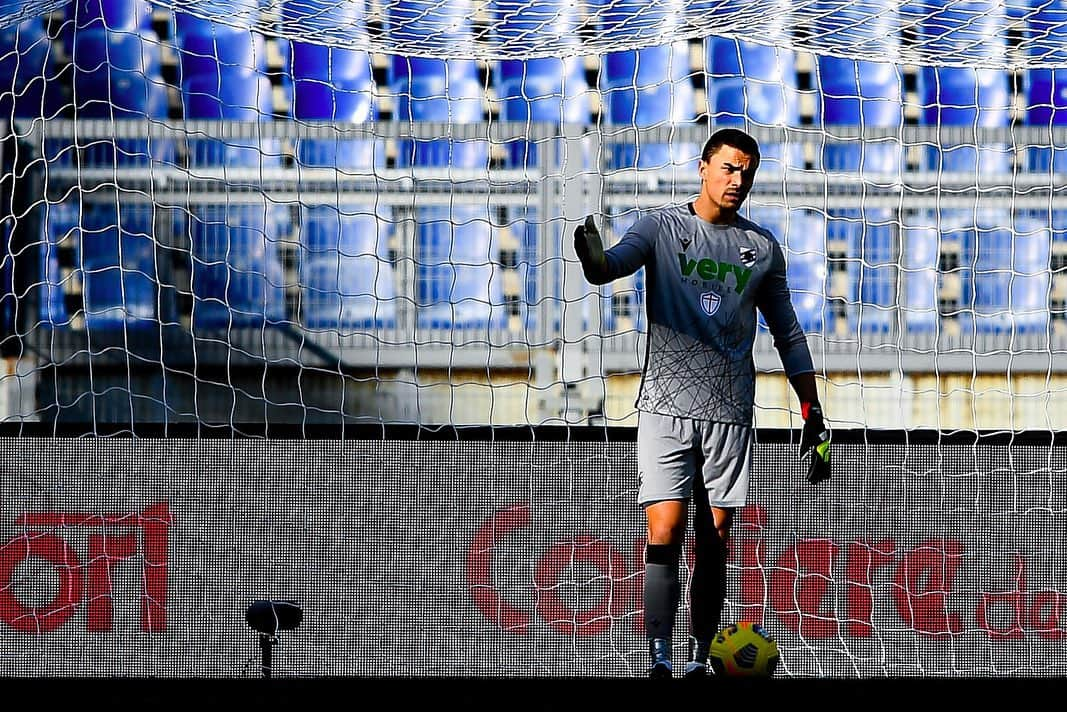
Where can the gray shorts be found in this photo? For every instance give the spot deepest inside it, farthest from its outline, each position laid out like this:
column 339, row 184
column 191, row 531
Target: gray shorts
column 671, row 450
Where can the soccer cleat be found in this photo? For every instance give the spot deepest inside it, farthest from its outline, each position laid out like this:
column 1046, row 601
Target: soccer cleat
column 661, row 669
column 660, row 652
column 695, row 669
column 697, row 666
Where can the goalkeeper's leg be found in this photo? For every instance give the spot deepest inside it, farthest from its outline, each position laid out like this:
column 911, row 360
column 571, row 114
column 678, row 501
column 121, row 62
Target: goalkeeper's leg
column 662, row 588
column 707, row 590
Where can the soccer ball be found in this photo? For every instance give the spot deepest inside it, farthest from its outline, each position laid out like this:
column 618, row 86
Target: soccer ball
column 743, row 649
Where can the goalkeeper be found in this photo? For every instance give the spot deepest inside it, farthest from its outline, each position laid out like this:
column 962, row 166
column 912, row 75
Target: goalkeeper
column 708, row 271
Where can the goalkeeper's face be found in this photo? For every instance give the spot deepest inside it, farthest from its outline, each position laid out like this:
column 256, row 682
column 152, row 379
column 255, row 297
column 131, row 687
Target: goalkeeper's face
column 727, row 177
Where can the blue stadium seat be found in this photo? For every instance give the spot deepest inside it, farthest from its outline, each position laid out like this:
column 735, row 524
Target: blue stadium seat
column 212, row 45
column 755, row 85
column 446, row 91
column 100, row 51
column 232, row 94
column 118, row 267
column 99, row 15
column 334, row 84
column 858, row 93
column 121, row 91
column 237, row 279
column 920, row 275
column 61, row 223
column 347, row 280
column 870, row 237
column 646, row 88
column 525, row 23
column 802, row 235
column 541, row 90
column 1011, row 275
column 27, row 70
column 965, row 96
column 957, row 237
column 1002, row 267
column 446, row 22
column 1046, row 89
column 1031, row 275
column 538, row 89
column 109, row 14
column 1046, row 105
column 458, row 284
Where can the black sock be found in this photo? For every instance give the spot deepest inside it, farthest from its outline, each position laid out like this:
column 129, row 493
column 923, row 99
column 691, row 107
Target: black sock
column 707, row 590
column 661, row 591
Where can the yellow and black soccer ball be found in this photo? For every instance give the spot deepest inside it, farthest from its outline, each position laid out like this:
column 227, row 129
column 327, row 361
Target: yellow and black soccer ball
column 743, row 649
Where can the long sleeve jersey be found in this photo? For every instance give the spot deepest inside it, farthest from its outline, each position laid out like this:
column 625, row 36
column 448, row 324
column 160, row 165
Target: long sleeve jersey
column 704, row 283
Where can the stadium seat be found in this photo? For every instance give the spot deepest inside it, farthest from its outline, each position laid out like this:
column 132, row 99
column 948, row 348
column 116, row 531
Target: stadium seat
column 109, row 14
column 755, row 85
column 61, row 223
column 1045, row 88
column 99, row 51
column 445, row 91
column 446, row 22
column 458, row 281
column 211, row 45
column 334, row 84
column 802, row 235
column 648, row 88
column 1011, row 275
column 547, row 90
column 27, row 68
column 347, row 279
column 231, row 94
column 920, row 278
column 118, row 78
column 870, row 239
column 1046, row 105
column 119, row 16
column 543, row 89
column 966, row 97
column 858, row 93
column 518, row 24
column 118, row 267
column 956, row 239
column 237, row 278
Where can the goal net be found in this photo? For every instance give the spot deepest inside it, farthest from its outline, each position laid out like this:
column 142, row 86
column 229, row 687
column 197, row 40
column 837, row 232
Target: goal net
column 239, row 215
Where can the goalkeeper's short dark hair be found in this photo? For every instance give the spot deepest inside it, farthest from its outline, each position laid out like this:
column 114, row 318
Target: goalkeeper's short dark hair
column 730, row 137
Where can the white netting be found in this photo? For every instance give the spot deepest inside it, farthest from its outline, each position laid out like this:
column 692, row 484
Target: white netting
column 954, row 32
column 199, row 201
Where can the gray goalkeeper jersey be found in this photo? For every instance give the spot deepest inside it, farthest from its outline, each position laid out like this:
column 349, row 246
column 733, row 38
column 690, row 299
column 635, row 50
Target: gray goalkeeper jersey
column 704, row 283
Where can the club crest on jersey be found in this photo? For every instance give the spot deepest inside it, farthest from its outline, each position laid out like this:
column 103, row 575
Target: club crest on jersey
column 747, row 256
column 709, row 302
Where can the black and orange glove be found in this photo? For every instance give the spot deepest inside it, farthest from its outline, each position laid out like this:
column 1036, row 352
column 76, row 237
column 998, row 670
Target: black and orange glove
column 815, row 437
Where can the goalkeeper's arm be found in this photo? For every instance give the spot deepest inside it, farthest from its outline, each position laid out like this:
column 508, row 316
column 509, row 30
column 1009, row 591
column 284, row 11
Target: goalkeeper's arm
column 590, row 250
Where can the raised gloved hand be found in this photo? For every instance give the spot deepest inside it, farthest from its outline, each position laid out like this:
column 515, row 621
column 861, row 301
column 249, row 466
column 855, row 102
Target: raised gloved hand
column 590, row 249
column 815, row 437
